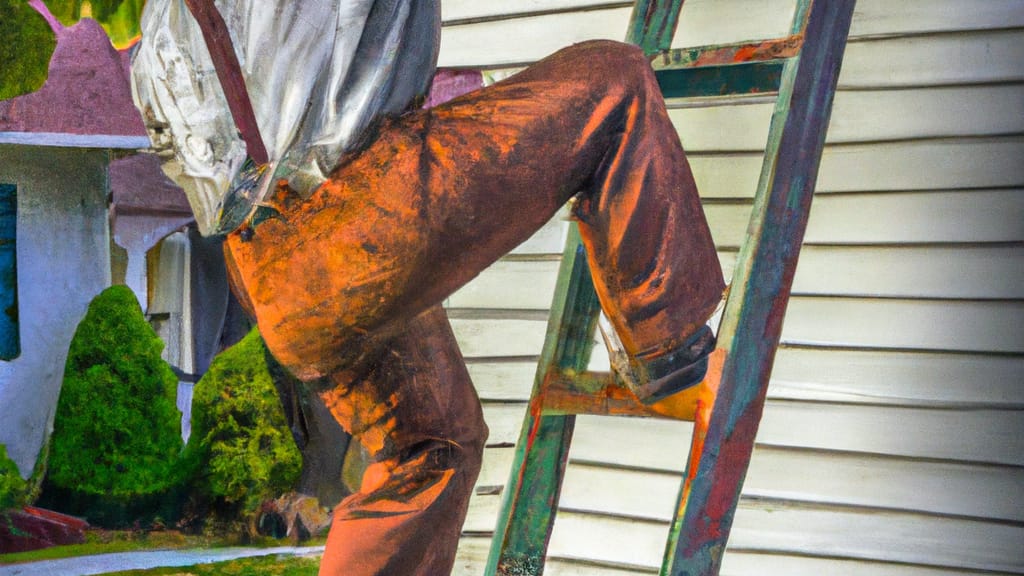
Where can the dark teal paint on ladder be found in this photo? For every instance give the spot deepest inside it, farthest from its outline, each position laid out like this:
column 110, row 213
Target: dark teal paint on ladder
column 722, row 80
column 10, row 337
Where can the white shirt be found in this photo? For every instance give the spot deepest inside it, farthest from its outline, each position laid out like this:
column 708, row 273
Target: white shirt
column 318, row 73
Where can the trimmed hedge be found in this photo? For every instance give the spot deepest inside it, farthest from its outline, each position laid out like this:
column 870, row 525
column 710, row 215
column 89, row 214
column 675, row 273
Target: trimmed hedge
column 13, row 489
column 116, row 435
column 241, row 451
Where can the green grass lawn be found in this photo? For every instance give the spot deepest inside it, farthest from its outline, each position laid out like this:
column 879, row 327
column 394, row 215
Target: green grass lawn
column 264, row 566
column 108, row 541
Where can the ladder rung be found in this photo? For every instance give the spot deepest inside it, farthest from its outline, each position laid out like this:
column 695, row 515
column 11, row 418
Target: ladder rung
column 721, row 80
column 598, row 393
column 721, row 54
column 725, row 70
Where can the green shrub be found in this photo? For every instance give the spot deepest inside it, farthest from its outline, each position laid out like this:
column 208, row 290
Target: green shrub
column 241, row 451
column 13, row 489
column 116, row 434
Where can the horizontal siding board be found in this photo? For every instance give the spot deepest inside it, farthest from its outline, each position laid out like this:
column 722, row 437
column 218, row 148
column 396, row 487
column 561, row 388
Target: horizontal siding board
column 949, row 58
column 883, row 17
column 954, row 59
column 524, row 40
column 935, row 60
column 482, row 9
column 970, row 435
column 968, row 326
column 979, row 435
column 969, row 272
column 898, row 537
column 549, row 239
column 942, row 488
column 874, row 115
column 471, row 558
column 939, row 325
column 865, row 116
column 969, row 216
column 512, row 284
column 495, row 338
column 496, row 466
column 738, row 563
column 849, row 376
column 504, row 420
column 898, row 378
column 705, row 22
column 560, row 567
column 503, row 380
column 822, row 532
column 925, row 165
column 893, row 218
column 641, row 443
column 482, row 514
column 713, row 20
column 884, row 167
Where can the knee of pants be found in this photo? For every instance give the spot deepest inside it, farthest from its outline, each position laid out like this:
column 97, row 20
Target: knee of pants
column 616, row 63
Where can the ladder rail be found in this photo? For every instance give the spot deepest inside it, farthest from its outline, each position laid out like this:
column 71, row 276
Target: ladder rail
column 752, row 321
column 801, row 69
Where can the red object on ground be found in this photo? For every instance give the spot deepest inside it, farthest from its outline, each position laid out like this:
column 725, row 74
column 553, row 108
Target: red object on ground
column 33, row 528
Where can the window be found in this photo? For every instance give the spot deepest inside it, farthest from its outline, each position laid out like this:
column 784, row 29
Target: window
column 10, row 337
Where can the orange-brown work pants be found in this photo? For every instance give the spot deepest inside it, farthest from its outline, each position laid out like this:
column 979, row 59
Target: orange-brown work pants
column 346, row 285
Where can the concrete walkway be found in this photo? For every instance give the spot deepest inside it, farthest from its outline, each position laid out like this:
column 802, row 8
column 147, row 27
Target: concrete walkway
column 104, row 563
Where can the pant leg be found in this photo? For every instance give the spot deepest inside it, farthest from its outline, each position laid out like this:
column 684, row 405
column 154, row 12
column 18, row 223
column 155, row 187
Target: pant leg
column 442, row 193
column 417, row 414
column 436, row 197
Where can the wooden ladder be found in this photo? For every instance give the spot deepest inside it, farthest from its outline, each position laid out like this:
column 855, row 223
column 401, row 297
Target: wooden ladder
column 801, row 70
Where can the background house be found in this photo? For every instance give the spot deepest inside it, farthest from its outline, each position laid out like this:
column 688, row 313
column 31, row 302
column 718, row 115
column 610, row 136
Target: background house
column 55, row 148
column 83, row 212
column 893, row 438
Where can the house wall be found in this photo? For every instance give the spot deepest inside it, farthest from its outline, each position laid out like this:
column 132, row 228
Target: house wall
column 63, row 260
column 893, row 437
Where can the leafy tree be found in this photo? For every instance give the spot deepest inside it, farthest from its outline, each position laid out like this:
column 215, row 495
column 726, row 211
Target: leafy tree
column 120, row 18
column 28, row 41
column 116, row 434
column 241, row 451
column 26, row 49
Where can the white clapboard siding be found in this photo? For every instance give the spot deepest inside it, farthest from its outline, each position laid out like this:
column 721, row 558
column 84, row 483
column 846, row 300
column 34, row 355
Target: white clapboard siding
column 865, row 116
column 983, row 57
column 970, row 326
column 739, row 563
column 704, row 18
column 461, row 10
column 504, row 421
column 950, row 325
column 981, row 435
column 849, row 533
column 503, row 40
column 951, row 271
column 945, row 488
column 947, row 164
column 911, row 378
column 907, row 218
column 898, row 377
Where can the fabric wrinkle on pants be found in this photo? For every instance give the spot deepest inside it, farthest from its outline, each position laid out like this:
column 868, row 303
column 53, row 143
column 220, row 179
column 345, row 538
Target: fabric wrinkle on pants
column 338, row 281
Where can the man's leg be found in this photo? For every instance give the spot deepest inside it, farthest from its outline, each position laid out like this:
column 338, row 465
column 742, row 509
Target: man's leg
column 418, row 416
column 440, row 194
column 436, row 197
